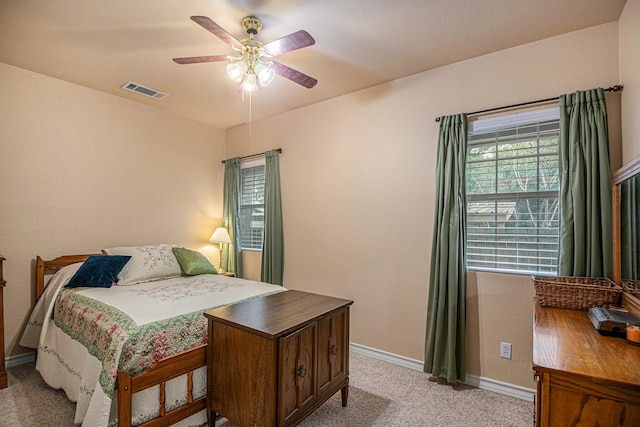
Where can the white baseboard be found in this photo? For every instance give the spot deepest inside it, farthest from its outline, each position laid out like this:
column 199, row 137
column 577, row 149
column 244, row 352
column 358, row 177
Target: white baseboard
column 500, row 387
column 482, row 383
column 407, row 362
column 20, row 359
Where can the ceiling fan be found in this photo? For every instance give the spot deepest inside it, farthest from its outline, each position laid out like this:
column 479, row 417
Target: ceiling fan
column 253, row 67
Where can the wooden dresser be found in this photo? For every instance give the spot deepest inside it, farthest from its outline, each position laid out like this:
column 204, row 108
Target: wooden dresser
column 583, row 378
column 273, row 360
column 3, row 372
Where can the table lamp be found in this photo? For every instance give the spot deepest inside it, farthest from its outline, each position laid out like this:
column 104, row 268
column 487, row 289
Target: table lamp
column 220, row 236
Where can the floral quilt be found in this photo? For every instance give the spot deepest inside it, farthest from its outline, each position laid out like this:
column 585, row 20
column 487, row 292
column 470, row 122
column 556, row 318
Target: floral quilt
column 112, row 336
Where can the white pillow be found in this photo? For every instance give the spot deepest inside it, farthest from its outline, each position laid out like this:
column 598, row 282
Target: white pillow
column 147, row 263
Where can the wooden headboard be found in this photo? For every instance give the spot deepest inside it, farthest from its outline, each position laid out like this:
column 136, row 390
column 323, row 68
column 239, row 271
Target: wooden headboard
column 49, row 267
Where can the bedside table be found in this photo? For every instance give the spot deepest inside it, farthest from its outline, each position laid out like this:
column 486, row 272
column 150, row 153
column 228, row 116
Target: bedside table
column 271, row 361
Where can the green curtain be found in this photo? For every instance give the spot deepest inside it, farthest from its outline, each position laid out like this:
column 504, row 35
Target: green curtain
column 586, row 242
column 232, row 254
column 273, row 241
column 446, row 313
column 630, row 228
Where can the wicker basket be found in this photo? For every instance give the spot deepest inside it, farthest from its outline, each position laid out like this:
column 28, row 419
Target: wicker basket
column 632, row 286
column 576, row 293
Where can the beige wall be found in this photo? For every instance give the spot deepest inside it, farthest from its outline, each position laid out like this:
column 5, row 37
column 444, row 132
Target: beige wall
column 81, row 170
column 629, row 30
column 357, row 177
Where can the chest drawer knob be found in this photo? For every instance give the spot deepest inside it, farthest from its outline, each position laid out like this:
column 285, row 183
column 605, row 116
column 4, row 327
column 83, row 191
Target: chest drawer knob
column 302, row 371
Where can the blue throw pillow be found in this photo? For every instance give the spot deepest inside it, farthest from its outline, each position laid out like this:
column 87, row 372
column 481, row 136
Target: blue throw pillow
column 98, row 271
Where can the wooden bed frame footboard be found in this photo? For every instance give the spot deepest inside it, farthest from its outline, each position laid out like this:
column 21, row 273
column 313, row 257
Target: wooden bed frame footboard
column 157, row 375
column 162, row 371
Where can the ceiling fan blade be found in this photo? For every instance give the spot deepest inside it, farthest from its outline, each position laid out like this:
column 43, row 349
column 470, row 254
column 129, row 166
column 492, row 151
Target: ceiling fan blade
column 217, row 31
column 199, row 59
column 293, row 41
column 294, row 75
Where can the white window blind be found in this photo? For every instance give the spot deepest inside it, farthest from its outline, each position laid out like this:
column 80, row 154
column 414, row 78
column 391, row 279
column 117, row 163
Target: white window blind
column 252, row 206
column 512, row 189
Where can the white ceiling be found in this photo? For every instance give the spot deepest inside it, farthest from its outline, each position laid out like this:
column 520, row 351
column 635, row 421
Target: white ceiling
column 102, row 44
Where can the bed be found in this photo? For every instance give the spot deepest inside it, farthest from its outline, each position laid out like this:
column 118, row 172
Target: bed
column 133, row 353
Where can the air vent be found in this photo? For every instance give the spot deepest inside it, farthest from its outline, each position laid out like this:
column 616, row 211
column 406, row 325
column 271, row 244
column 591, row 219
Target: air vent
column 144, row 90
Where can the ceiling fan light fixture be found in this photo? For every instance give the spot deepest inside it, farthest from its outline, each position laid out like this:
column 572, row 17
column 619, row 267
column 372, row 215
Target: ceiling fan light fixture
column 249, row 83
column 236, row 71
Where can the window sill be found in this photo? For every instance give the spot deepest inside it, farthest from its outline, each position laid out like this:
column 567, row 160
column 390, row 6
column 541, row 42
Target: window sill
column 512, row 272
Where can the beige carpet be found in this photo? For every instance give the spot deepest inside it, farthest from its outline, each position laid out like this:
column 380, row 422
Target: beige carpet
column 381, row 394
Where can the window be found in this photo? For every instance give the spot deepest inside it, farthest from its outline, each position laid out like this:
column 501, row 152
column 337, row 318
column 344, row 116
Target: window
column 512, row 186
column 252, row 205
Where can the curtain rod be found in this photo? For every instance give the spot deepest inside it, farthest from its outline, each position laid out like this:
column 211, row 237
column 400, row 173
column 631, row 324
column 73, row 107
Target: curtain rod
column 615, row 88
column 279, row 150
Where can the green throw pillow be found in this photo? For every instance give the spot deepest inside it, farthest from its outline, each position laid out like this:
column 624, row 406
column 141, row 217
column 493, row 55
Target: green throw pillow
column 193, row 262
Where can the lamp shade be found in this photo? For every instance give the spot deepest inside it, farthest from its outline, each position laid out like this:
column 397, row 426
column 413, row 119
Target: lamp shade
column 265, row 74
column 236, row 71
column 250, row 82
column 221, row 235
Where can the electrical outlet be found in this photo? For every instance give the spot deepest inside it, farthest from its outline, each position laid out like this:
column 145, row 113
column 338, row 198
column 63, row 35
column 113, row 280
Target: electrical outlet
column 505, row 350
